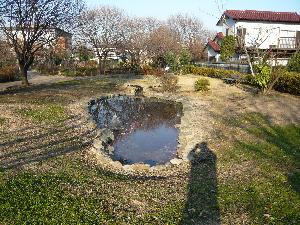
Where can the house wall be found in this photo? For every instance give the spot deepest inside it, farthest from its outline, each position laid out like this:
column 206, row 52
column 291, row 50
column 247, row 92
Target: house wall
column 264, row 33
column 212, row 53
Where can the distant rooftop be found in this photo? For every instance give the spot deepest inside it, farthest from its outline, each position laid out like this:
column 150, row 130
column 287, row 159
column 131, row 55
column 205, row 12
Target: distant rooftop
column 269, row 16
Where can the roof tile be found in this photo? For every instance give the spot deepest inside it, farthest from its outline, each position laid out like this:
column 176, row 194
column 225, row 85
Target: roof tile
column 253, row 15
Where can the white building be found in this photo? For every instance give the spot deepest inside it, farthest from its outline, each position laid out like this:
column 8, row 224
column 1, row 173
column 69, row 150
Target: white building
column 112, row 53
column 279, row 31
column 213, row 48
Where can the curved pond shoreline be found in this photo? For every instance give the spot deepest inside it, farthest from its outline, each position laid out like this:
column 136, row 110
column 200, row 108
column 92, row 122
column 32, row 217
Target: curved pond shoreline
column 137, row 129
column 192, row 131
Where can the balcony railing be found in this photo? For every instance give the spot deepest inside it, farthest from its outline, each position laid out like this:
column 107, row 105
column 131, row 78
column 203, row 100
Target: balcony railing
column 287, row 43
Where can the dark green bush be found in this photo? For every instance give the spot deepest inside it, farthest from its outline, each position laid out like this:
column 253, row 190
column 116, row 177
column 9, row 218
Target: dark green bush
column 202, row 84
column 262, row 75
column 289, row 82
column 228, row 47
column 294, row 63
column 8, row 73
column 169, row 82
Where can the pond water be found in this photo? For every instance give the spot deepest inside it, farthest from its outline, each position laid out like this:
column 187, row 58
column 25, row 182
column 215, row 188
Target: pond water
column 143, row 128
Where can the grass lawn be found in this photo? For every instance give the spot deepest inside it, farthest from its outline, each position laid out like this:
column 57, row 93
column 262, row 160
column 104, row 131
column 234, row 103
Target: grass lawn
column 250, row 175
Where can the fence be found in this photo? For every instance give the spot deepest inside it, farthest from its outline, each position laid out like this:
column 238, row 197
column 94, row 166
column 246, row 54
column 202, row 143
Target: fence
column 243, row 68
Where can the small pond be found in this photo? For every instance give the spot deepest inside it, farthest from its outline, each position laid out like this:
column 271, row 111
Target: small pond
column 138, row 130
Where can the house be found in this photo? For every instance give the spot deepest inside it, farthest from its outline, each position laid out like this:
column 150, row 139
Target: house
column 264, row 30
column 111, row 53
column 52, row 37
column 63, row 38
column 213, row 48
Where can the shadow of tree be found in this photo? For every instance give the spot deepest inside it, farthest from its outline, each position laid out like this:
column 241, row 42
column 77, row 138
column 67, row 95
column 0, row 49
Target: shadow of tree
column 277, row 145
column 33, row 144
column 285, row 138
column 103, row 83
column 202, row 205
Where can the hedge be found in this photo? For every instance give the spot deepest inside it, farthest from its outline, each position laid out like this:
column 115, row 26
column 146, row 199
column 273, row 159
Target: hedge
column 212, row 72
column 289, row 82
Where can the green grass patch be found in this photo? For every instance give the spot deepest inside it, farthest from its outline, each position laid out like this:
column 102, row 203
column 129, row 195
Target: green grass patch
column 269, row 192
column 47, row 113
column 44, row 199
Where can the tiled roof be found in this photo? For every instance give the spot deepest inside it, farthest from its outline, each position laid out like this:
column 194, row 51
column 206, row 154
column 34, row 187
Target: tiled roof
column 214, row 45
column 253, row 15
column 220, row 35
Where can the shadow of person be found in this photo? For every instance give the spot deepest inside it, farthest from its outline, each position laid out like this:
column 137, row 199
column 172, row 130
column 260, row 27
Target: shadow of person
column 201, row 205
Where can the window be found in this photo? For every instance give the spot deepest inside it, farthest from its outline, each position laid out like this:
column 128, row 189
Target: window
column 241, row 32
column 287, row 33
column 228, row 31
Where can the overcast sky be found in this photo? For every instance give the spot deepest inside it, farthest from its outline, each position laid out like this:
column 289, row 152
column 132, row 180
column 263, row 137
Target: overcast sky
column 206, row 10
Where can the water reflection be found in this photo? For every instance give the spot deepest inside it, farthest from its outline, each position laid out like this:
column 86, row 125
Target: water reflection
column 144, row 128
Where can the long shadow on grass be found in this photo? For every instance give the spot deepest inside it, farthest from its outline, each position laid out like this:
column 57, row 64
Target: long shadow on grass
column 202, row 206
column 279, row 146
column 31, row 145
column 106, row 83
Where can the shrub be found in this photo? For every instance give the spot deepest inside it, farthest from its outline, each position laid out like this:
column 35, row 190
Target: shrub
column 187, row 69
column 88, row 68
column 48, row 69
column 262, row 75
column 172, row 61
column 294, row 63
column 80, row 72
column 288, row 82
column 212, row 72
column 202, row 84
column 8, row 73
column 228, row 47
column 149, row 70
column 185, row 57
column 169, row 82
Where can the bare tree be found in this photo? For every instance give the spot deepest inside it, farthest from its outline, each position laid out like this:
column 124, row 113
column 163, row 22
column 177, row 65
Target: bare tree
column 162, row 41
column 135, row 36
column 100, row 27
column 29, row 26
column 191, row 32
column 6, row 53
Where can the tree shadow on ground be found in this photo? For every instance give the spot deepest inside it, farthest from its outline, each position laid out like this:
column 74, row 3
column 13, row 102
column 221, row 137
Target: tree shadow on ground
column 276, row 145
column 105, row 83
column 202, row 205
column 25, row 146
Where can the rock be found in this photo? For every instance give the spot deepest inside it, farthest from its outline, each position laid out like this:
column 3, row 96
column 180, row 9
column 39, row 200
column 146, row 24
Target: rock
column 97, row 144
column 107, row 136
column 116, row 164
column 176, row 161
column 110, row 150
column 140, row 167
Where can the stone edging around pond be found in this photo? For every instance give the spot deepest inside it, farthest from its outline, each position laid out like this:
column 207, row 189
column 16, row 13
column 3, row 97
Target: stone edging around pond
column 185, row 147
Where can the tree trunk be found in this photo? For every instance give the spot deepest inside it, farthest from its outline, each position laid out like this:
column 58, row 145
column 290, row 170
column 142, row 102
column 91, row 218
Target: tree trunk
column 100, row 66
column 104, row 65
column 24, row 75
